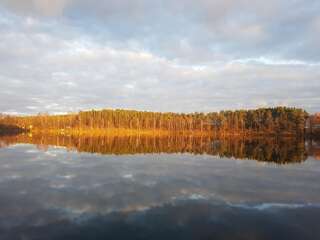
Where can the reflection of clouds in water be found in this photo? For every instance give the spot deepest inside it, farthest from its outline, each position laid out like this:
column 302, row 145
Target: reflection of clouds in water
column 67, row 176
column 195, row 219
column 32, row 151
column 54, row 152
column 196, row 197
column 14, row 176
column 19, row 145
column 57, row 186
column 78, row 184
column 128, row 176
column 273, row 206
column 50, row 154
column 192, row 170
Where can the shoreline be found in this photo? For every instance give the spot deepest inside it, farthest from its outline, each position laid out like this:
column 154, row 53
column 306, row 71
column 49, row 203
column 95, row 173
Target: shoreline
column 115, row 132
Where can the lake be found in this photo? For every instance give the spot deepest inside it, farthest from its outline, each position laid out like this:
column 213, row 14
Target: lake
column 173, row 187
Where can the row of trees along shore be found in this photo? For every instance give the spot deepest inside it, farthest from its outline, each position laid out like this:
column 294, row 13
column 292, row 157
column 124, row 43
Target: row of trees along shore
column 278, row 120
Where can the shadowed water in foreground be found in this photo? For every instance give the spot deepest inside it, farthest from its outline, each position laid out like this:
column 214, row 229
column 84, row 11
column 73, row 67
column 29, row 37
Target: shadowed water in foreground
column 53, row 187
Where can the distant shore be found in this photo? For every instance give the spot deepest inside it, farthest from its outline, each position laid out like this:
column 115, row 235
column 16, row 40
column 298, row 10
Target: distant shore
column 278, row 121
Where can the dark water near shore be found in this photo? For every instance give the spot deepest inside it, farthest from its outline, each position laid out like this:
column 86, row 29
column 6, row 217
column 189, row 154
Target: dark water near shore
column 58, row 187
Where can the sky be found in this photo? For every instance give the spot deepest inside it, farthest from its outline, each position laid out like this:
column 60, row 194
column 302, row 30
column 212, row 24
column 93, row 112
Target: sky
column 59, row 56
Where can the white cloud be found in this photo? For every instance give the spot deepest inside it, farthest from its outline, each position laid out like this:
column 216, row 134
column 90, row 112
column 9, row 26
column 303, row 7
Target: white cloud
column 43, row 7
column 202, row 56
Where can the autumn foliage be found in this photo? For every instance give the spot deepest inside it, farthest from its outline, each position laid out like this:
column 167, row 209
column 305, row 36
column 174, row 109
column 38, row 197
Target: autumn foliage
column 273, row 121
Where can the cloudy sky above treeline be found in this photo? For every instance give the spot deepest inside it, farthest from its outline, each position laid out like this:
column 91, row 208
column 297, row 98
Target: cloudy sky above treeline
column 171, row 55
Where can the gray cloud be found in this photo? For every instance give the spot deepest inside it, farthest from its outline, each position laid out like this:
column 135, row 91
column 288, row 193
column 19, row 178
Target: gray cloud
column 42, row 7
column 59, row 56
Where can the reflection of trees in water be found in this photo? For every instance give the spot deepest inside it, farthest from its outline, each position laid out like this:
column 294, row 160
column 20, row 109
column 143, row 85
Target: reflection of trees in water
column 313, row 146
column 278, row 150
column 8, row 129
column 263, row 149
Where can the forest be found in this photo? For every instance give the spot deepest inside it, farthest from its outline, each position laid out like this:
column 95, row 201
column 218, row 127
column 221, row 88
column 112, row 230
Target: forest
column 273, row 121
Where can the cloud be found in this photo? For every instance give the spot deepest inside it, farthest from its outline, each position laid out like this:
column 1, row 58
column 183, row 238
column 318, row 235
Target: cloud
column 60, row 56
column 42, row 7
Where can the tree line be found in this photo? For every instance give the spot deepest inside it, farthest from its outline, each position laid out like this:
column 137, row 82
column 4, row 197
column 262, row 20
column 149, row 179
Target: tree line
column 278, row 120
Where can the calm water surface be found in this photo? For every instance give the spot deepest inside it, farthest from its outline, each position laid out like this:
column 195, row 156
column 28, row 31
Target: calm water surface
column 58, row 187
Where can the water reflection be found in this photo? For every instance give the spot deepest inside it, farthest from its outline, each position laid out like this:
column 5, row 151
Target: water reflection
column 51, row 193
column 276, row 150
column 186, row 220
